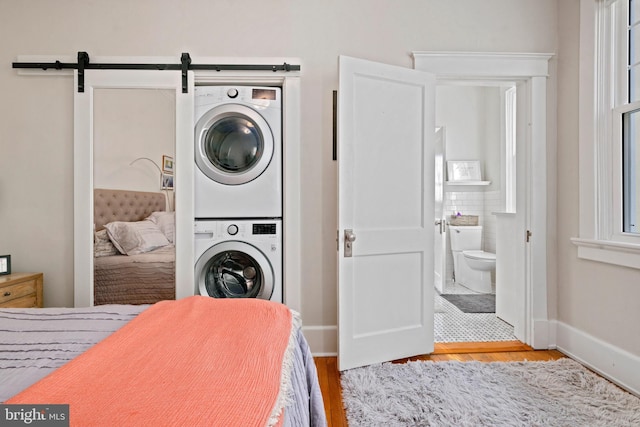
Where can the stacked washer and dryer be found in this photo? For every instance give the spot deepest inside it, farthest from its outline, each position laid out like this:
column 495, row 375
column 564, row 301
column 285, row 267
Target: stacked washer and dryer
column 238, row 192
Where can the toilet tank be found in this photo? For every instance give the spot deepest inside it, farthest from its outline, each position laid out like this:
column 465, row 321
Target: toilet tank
column 465, row 238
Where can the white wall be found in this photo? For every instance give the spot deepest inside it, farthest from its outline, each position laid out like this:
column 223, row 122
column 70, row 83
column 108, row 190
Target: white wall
column 599, row 300
column 36, row 125
column 471, row 117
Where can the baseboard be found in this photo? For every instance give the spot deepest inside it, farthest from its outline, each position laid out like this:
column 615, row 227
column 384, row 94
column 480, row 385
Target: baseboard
column 323, row 340
column 541, row 334
column 613, row 363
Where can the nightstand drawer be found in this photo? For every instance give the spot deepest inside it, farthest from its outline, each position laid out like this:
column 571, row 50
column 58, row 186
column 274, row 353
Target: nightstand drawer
column 9, row 293
column 24, row 302
column 21, row 290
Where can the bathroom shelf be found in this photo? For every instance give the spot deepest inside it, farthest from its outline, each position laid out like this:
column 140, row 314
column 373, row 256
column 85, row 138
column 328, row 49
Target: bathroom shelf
column 468, row 182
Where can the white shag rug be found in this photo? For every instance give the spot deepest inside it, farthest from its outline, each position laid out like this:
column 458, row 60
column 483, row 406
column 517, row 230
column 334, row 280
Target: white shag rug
column 555, row 393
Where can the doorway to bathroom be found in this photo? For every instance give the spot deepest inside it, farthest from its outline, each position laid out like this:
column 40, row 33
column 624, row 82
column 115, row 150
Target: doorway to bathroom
column 530, row 229
column 475, row 187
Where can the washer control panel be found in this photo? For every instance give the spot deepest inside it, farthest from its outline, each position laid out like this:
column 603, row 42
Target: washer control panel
column 264, row 228
column 219, row 230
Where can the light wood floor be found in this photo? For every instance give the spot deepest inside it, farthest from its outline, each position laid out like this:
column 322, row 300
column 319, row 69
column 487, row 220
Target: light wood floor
column 504, row 351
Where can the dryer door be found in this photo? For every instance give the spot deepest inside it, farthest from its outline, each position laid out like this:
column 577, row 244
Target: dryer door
column 234, row 144
column 234, row 270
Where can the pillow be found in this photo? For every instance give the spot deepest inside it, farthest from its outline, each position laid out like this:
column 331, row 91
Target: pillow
column 133, row 238
column 102, row 246
column 166, row 222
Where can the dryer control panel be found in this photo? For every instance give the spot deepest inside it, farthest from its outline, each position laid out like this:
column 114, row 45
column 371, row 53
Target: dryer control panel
column 260, row 97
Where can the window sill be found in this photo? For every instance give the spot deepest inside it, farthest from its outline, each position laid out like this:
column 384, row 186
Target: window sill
column 610, row 252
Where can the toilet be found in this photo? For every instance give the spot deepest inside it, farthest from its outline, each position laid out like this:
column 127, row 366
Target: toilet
column 472, row 266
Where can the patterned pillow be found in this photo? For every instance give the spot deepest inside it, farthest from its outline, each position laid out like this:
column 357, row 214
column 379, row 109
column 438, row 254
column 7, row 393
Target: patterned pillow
column 133, row 238
column 102, row 246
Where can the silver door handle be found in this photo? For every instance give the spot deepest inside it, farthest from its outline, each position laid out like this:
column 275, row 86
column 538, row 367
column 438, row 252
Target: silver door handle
column 349, row 238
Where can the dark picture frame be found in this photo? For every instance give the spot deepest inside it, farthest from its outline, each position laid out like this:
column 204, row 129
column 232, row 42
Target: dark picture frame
column 5, row 264
column 167, row 181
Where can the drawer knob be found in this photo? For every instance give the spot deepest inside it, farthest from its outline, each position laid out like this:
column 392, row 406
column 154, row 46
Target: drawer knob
column 7, row 294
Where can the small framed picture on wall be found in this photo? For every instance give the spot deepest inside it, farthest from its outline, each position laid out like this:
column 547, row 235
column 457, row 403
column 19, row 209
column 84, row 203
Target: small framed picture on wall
column 5, row 264
column 167, row 164
column 167, row 181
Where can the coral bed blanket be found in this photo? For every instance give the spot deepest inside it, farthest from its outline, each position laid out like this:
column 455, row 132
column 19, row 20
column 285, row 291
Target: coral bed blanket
column 198, row 361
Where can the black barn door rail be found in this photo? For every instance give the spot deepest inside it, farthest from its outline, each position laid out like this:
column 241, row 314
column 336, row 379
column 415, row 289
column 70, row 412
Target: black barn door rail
column 185, row 65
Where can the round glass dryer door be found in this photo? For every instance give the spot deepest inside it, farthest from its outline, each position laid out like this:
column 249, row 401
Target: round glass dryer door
column 234, row 144
column 234, row 270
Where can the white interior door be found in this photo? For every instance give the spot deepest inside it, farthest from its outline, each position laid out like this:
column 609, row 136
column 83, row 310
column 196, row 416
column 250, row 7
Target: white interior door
column 386, row 174
column 439, row 233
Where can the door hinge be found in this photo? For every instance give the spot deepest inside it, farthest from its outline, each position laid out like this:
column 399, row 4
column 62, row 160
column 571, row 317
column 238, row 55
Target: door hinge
column 528, row 235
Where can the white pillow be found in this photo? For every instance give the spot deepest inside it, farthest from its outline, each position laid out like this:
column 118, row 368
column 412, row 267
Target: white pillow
column 166, row 222
column 135, row 237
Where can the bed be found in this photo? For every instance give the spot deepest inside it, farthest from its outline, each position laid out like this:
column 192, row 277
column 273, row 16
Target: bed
column 194, row 361
column 134, row 254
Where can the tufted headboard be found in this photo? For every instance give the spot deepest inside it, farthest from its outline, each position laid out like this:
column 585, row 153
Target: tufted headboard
column 124, row 205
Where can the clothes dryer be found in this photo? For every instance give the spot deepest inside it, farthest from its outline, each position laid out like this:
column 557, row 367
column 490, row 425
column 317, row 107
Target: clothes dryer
column 238, row 152
column 239, row 259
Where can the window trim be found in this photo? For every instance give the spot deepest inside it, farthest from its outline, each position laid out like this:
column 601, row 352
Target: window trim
column 600, row 141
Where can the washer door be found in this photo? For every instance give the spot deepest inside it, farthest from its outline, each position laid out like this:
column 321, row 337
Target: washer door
column 234, row 270
column 234, row 144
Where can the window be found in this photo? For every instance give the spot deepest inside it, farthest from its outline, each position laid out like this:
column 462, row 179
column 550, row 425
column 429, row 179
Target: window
column 630, row 122
column 610, row 132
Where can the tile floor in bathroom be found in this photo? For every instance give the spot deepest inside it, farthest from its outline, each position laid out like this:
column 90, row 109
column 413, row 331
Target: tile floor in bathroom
column 452, row 325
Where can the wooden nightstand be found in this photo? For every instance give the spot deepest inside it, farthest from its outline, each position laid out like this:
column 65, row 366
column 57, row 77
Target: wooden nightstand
column 21, row 290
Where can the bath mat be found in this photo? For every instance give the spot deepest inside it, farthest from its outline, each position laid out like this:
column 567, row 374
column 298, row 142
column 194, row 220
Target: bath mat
column 559, row 393
column 473, row 303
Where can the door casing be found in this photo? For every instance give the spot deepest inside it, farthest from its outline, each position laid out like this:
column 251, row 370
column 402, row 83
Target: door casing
column 529, row 71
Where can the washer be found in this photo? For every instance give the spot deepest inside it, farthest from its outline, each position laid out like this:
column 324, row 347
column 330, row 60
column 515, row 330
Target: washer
column 238, row 152
column 239, row 259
